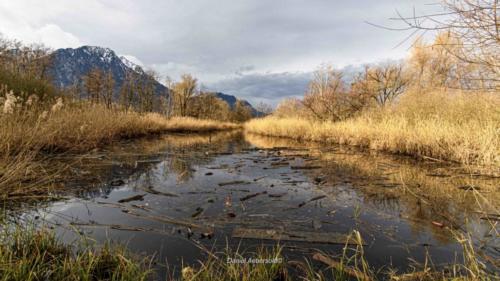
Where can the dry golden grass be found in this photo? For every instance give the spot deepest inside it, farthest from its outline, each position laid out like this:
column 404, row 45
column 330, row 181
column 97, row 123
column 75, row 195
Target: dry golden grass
column 82, row 127
column 76, row 128
column 460, row 127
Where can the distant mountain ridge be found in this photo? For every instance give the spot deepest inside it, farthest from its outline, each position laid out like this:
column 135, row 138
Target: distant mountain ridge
column 231, row 101
column 69, row 67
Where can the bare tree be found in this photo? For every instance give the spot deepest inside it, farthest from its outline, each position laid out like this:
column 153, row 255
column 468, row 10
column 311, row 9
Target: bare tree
column 146, row 91
column 207, row 106
column 241, row 112
column 94, row 85
column 327, row 97
column 128, row 91
column 264, row 108
column 168, row 100
column 31, row 61
column 108, row 89
column 23, row 68
column 381, row 83
column 183, row 92
column 476, row 26
column 290, row 107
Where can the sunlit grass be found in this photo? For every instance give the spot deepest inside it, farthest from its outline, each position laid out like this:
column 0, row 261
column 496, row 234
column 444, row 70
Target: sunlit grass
column 460, row 127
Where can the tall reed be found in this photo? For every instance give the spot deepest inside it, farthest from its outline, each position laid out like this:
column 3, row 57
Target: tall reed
column 460, row 127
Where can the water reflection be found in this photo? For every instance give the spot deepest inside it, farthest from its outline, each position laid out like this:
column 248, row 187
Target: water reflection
column 418, row 192
column 191, row 184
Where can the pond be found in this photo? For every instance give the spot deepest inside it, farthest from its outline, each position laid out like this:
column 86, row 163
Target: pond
column 176, row 196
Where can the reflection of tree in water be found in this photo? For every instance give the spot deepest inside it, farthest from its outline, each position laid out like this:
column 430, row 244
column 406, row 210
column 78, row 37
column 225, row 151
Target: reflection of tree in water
column 91, row 175
column 418, row 192
column 182, row 168
column 408, row 190
column 188, row 151
column 106, row 178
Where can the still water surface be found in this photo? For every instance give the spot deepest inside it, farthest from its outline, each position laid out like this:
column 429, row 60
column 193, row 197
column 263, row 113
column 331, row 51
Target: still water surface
column 170, row 197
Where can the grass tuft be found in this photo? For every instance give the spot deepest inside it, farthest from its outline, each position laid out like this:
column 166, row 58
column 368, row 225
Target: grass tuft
column 29, row 254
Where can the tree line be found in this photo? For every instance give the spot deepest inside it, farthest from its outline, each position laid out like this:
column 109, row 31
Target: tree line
column 182, row 98
column 464, row 56
column 24, row 70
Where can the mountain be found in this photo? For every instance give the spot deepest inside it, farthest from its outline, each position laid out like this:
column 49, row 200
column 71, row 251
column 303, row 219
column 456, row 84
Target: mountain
column 69, row 66
column 231, row 101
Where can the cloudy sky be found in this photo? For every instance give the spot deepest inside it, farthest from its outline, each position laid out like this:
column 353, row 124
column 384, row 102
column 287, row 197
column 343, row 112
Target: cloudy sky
column 260, row 50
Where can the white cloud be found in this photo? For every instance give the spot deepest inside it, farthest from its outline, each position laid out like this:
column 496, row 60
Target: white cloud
column 217, row 40
column 50, row 35
column 20, row 22
column 53, row 36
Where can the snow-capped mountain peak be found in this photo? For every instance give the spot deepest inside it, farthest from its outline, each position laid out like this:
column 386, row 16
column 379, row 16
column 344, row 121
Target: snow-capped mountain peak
column 127, row 60
column 69, row 67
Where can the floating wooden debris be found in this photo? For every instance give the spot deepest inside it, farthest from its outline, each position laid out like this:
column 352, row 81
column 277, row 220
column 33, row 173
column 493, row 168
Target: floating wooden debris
column 200, row 192
column 233, row 183
column 143, row 207
column 277, row 195
column 199, row 210
column 259, row 178
column 117, row 182
column 220, row 167
column 215, row 153
column 113, row 226
column 305, row 167
column 249, row 196
column 238, row 190
column 156, row 192
column 319, row 180
column 312, row 199
column 138, row 197
column 293, row 182
column 301, row 236
column 165, row 219
column 209, row 174
column 339, row 266
column 127, row 228
column 281, row 163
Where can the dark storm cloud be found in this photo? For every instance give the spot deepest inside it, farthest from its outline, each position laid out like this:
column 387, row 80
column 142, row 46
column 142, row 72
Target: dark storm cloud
column 216, row 40
column 273, row 87
column 269, row 88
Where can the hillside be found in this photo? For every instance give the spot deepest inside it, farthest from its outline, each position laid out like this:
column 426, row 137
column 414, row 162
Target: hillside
column 69, row 66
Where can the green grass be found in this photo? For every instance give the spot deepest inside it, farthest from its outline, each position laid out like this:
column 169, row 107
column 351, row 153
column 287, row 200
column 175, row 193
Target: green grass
column 29, row 254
